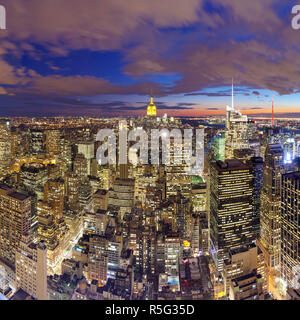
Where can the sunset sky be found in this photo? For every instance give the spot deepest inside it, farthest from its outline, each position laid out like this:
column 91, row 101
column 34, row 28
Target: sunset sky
column 104, row 57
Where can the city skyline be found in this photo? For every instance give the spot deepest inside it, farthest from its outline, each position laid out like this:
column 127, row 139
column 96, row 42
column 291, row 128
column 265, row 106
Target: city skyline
column 85, row 216
column 83, row 63
column 149, row 152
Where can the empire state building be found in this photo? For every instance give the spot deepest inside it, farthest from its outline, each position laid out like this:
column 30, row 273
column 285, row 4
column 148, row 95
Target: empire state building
column 151, row 110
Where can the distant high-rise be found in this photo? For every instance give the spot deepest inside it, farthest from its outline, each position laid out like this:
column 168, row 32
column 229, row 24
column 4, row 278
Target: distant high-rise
column 65, row 155
column 33, row 176
column 87, row 149
column 54, row 195
column 271, row 205
column 290, row 228
column 172, row 252
column 219, row 147
column 80, row 166
column 72, row 189
column 5, row 147
column 53, row 142
column 122, row 195
column 15, row 142
column 145, row 250
column 272, row 109
column 182, row 212
column 100, row 200
column 37, row 142
column 177, row 180
column 231, row 208
column 236, row 130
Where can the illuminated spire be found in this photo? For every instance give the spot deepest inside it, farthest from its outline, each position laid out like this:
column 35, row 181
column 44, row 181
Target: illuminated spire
column 151, row 110
column 151, row 97
column 272, row 109
column 232, row 104
column 228, row 108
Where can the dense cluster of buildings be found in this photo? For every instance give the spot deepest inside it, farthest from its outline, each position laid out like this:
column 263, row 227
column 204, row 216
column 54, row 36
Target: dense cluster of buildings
column 73, row 228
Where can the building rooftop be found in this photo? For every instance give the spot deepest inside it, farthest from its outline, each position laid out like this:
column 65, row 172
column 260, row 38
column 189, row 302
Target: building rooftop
column 127, row 181
column 242, row 249
column 257, row 160
column 101, row 192
column 86, row 142
column 5, row 187
column 230, row 165
column 18, row 195
column 33, row 167
column 20, row 294
column 292, row 175
column 245, row 277
column 274, row 148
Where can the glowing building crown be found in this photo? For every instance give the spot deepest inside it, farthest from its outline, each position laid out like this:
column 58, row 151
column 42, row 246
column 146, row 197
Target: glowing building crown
column 151, row 110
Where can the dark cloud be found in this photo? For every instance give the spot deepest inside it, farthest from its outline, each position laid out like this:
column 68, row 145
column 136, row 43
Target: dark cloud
column 221, row 93
column 277, row 115
column 184, row 104
column 26, row 104
column 204, row 45
column 209, row 94
column 161, row 107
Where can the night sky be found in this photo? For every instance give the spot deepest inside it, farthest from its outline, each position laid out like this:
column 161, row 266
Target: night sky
column 104, row 57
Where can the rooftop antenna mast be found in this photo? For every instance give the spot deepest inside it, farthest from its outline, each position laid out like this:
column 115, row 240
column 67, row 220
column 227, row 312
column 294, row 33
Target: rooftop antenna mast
column 232, row 104
column 272, row 109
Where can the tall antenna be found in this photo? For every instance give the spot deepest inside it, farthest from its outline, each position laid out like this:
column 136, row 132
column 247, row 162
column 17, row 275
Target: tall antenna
column 232, row 105
column 272, row 109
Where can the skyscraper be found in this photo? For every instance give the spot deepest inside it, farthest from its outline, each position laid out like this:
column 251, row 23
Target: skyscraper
column 219, row 147
column 81, row 166
column 5, row 147
column 122, row 192
column 151, row 109
column 31, row 268
column 48, row 232
column 15, row 214
column 182, row 212
column 290, row 228
column 236, row 130
column 256, row 163
column 271, row 205
column 53, row 142
column 54, row 195
column 231, row 208
column 36, row 142
column 97, row 258
column 87, row 149
column 72, row 186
